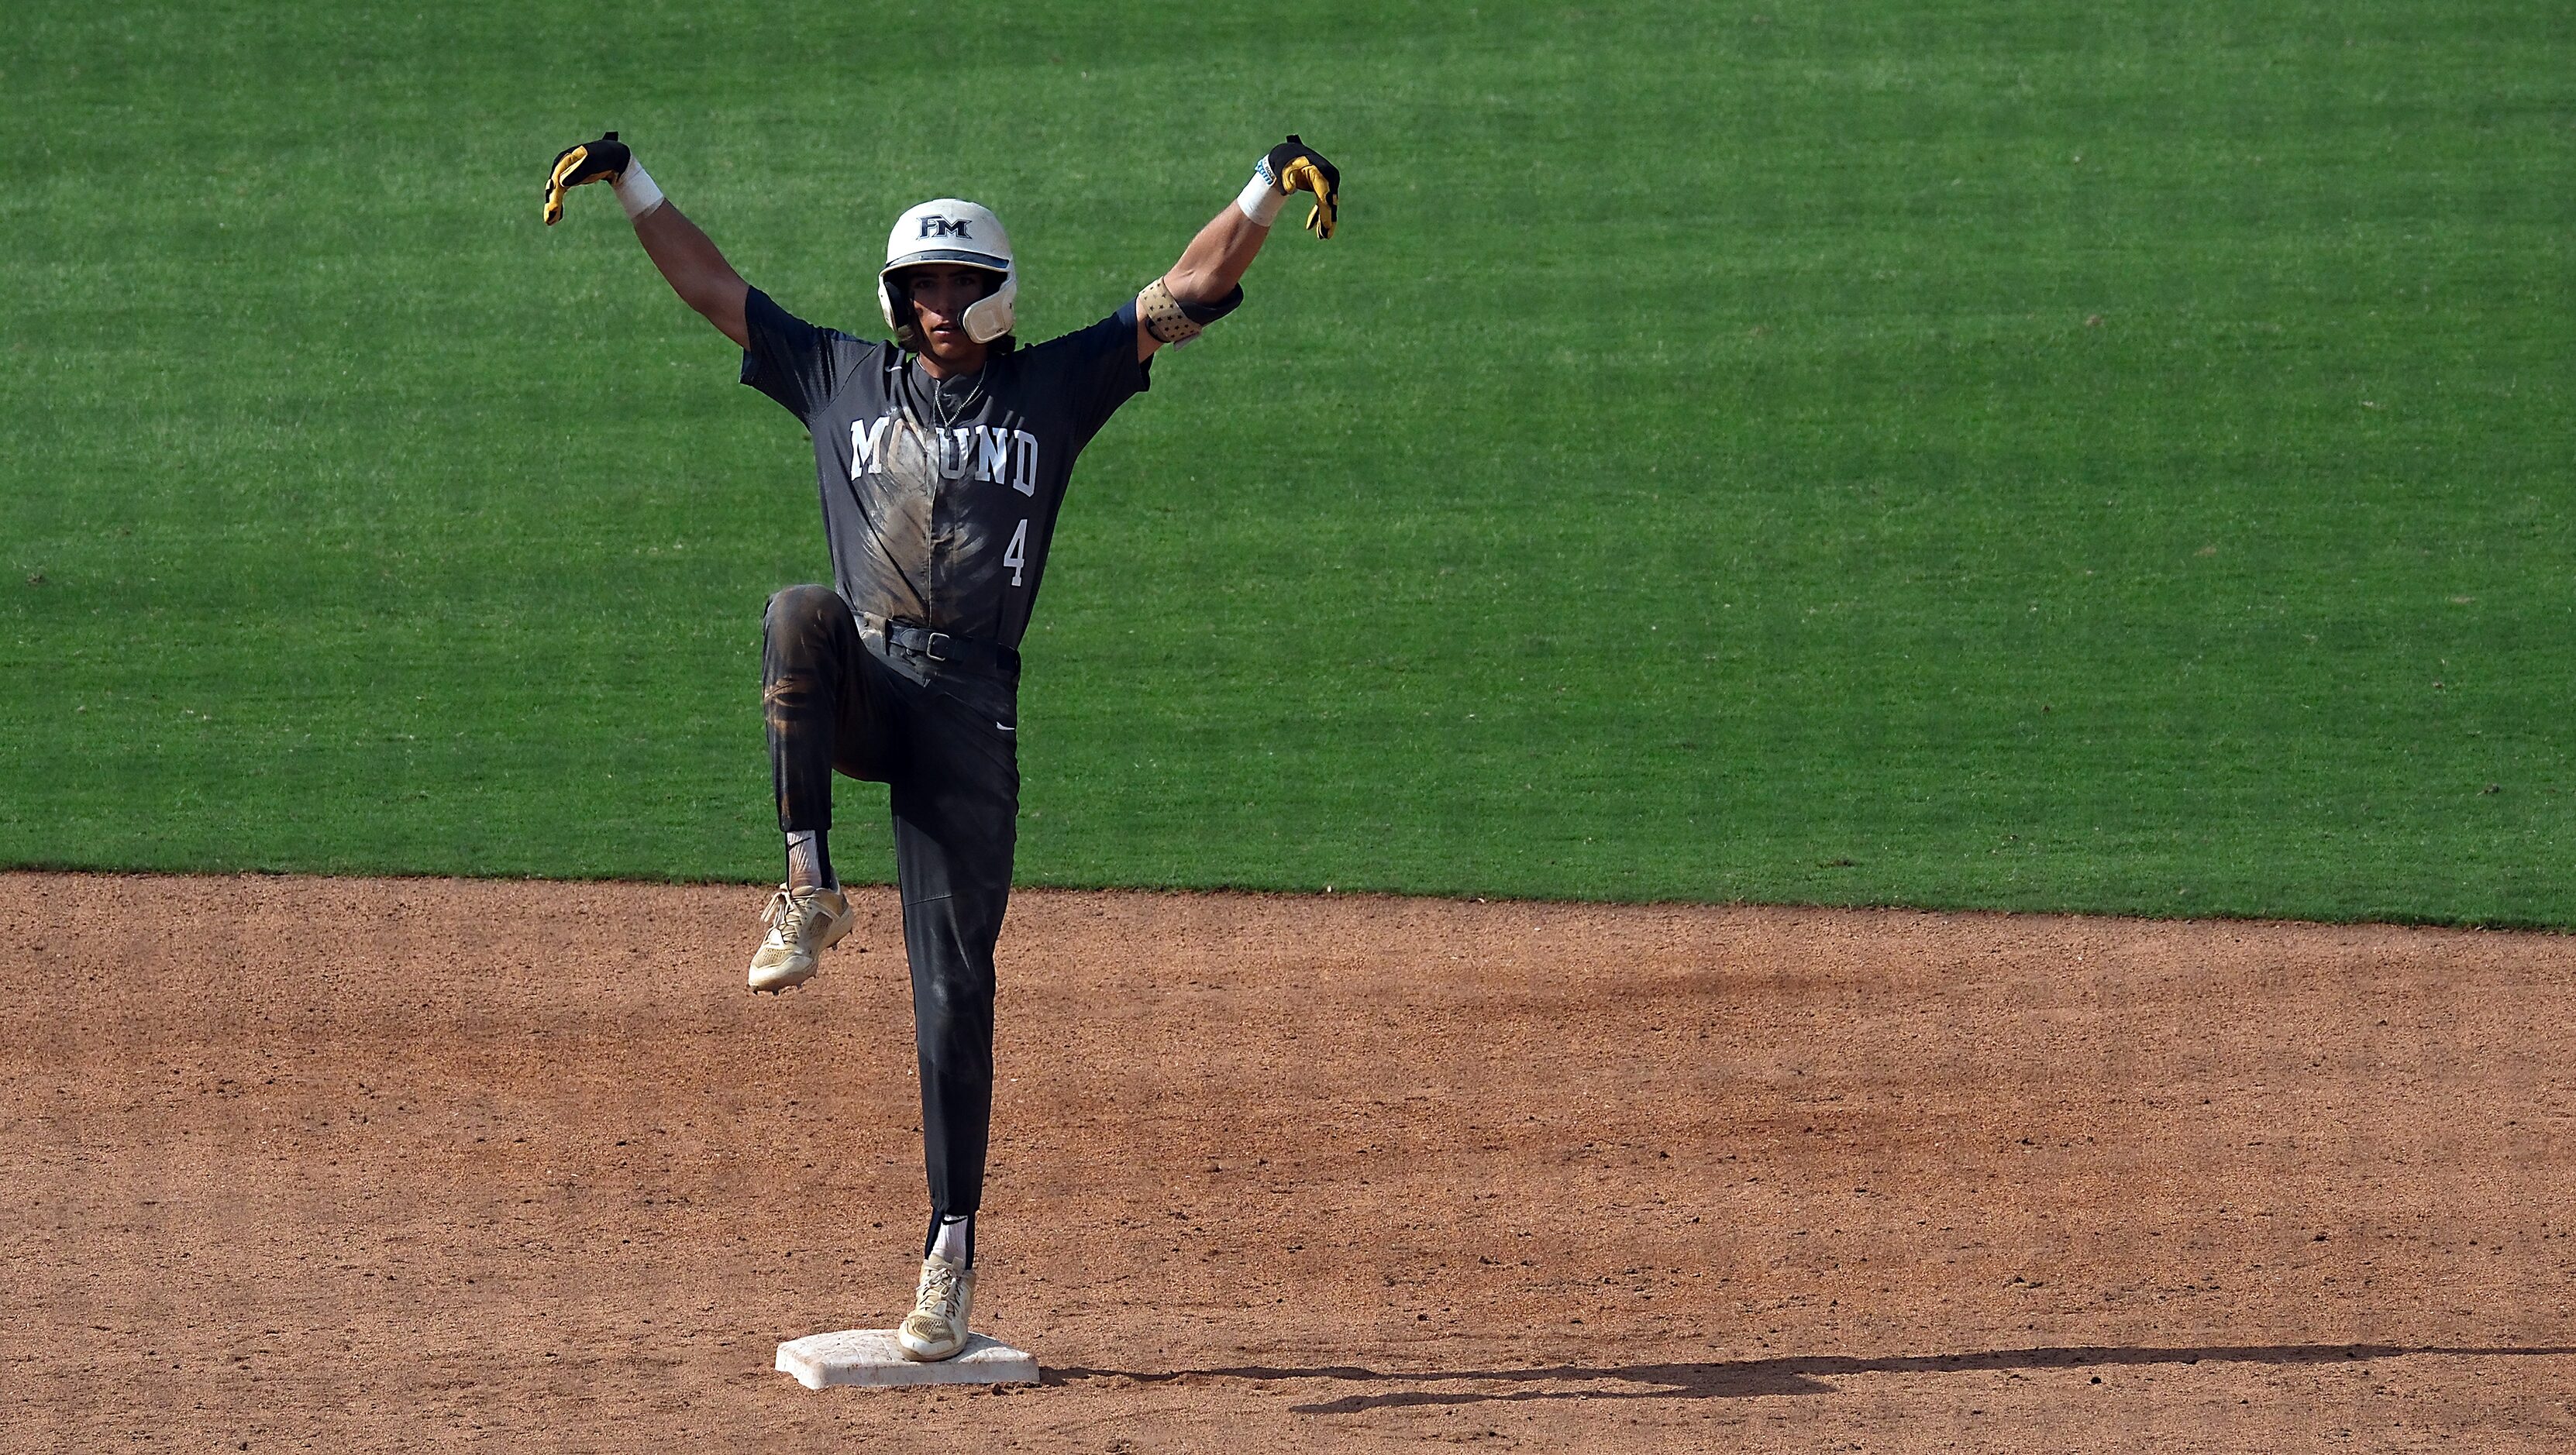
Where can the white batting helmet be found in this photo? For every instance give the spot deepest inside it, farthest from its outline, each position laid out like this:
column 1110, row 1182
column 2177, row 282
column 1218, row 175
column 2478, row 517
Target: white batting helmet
column 950, row 230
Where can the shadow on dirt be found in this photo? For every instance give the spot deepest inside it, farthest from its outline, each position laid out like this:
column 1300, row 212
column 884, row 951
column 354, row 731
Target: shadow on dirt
column 1738, row 1378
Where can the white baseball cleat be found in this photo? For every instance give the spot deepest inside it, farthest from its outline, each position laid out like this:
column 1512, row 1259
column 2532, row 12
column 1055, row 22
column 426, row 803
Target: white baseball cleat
column 936, row 1327
column 801, row 927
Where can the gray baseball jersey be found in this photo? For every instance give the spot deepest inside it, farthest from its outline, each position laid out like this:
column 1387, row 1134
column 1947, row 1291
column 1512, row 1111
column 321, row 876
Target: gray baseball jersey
column 939, row 499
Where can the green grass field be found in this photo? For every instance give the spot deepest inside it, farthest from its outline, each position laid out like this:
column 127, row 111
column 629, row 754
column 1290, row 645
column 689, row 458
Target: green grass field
column 2109, row 458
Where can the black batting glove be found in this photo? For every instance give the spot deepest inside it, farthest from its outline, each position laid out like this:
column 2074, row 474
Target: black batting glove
column 603, row 160
column 1297, row 167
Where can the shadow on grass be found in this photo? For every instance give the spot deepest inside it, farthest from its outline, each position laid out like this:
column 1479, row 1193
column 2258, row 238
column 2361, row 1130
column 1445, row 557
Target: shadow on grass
column 1793, row 1374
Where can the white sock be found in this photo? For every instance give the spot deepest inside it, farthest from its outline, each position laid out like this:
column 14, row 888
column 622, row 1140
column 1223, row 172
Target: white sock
column 809, row 863
column 952, row 1242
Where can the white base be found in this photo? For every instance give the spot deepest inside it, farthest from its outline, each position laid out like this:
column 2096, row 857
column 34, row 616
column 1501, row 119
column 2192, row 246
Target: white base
column 871, row 1357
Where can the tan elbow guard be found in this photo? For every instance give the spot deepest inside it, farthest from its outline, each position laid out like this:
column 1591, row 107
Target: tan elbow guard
column 1171, row 321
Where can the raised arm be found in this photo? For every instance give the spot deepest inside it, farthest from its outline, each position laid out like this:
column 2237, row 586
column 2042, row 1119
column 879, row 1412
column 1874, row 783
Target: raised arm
column 695, row 270
column 689, row 261
column 1206, row 284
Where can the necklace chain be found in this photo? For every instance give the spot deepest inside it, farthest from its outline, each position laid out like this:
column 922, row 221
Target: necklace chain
column 943, row 414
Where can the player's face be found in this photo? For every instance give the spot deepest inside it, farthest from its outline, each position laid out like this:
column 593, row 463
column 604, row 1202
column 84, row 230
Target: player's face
column 940, row 293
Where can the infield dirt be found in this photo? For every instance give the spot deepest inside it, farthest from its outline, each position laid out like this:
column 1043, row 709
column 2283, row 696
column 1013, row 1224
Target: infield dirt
column 333, row 1164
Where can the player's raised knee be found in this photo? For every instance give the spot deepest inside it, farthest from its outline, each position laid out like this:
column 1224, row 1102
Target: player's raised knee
column 801, row 608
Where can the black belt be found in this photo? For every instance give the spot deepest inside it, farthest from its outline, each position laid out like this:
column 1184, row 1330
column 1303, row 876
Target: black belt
column 948, row 647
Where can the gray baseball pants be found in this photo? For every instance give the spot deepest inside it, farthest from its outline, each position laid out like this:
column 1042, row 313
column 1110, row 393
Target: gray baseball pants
column 833, row 705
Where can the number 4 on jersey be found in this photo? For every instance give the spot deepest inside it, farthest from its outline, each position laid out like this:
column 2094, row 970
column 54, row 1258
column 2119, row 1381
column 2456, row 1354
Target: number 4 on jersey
column 1018, row 554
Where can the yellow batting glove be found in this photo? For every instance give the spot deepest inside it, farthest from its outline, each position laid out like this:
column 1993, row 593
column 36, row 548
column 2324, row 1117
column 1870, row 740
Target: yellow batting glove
column 1295, row 167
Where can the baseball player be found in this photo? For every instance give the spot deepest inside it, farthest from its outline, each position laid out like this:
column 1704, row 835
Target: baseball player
column 942, row 457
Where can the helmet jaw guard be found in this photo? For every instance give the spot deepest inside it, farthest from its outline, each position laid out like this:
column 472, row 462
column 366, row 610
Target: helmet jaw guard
column 991, row 316
column 949, row 230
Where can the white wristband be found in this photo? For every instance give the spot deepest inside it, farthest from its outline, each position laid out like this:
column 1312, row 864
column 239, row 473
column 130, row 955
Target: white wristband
column 1261, row 199
column 636, row 191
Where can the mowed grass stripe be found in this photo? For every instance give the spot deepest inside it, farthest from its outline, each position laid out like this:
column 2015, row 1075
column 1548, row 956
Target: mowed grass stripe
column 2016, row 458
